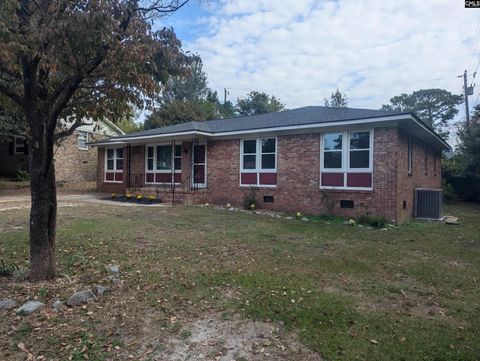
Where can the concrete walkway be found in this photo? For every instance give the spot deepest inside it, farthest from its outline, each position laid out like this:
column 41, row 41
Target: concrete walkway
column 22, row 201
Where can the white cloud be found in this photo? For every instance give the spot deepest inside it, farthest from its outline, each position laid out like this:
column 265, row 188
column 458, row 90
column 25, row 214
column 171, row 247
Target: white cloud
column 303, row 50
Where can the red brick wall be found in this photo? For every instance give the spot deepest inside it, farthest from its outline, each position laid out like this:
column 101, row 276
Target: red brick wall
column 103, row 186
column 426, row 173
column 298, row 176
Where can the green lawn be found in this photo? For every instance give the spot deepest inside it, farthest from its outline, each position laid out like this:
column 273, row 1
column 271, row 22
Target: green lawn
column 350, row 293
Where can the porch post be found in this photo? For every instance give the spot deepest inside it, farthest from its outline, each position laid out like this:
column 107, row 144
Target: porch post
column 173, row 172
column 129, row 166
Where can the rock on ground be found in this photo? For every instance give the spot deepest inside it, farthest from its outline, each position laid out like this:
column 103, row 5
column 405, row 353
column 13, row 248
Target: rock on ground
column 30, row 307
column 114, row 268
column 99, row 290
column 81, row 298
column 7, row 304
column 117, row 282
column 57, row 305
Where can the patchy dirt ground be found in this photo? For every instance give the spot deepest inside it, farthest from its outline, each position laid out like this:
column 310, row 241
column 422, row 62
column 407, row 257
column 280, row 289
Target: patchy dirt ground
column 223, row 337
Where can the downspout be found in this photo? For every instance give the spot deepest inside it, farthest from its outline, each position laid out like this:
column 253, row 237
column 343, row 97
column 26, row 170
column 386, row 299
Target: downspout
column 173, row 172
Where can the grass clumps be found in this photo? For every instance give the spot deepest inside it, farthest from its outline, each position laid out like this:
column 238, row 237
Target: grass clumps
column 372, row 221
column 250, row 200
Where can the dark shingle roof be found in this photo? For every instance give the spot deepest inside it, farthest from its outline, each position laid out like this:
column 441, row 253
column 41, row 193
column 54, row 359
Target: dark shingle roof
column 299, row 116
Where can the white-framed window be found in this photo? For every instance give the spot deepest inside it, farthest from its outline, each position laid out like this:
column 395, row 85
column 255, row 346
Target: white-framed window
column 346, row 159
column 114, row 164
column 333, row 150
column 359, row 150
column 163, row 163
column 258, row 162
column 410, row 156
column 82, row 140
column 19, row 145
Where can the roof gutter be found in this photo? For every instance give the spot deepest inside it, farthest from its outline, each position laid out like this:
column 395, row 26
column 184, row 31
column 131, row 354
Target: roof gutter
column 190, row 132
column 429, row 130
column 105, row 142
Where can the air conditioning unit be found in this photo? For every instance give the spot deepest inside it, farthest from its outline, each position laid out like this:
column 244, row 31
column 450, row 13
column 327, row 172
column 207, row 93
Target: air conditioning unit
column 428, row 203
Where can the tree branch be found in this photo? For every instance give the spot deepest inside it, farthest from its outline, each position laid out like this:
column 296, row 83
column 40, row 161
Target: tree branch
column 7, row 91
column 69, row 131
column 61, row 96
column 157, row 7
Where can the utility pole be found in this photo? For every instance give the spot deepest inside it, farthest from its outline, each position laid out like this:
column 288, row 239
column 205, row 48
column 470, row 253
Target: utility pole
column 467, row 90
column 225, row 92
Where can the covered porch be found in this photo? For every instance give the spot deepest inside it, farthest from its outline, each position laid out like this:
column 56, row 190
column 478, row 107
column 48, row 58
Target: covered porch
column 173, row 170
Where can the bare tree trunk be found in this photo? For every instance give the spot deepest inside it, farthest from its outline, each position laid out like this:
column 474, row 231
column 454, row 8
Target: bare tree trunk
column 43, row 212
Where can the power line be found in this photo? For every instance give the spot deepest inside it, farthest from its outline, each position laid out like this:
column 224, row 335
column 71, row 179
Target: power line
column 476, row 100
column 474, row 43
column 330, row 88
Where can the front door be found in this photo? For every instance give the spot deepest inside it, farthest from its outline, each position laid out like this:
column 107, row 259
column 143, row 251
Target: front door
column 199, row 168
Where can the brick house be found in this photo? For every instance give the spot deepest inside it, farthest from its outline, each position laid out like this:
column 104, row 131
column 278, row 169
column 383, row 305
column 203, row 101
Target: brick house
column 315, row 160
column 75, row 160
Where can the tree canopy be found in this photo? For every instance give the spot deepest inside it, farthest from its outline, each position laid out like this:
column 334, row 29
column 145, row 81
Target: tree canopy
column 128, row 125
column 71, row 60
column 461, row 171
column 258, row 103
column 12, row 122
column 435, row 107
column 187, row 97
column 337, row 100
column 468, row 150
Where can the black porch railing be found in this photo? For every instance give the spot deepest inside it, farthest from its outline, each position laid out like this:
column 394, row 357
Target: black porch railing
column 163, row 188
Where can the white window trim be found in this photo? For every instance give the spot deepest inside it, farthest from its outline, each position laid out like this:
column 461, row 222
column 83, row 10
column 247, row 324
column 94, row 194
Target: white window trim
column 345, row 169
column 258, row 163
column 164, row 171
column 200, row 185
column 114, row 170
column 19, row 146
column 80, row 132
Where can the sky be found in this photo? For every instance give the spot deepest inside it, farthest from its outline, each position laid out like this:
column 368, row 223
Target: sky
column 303, row 50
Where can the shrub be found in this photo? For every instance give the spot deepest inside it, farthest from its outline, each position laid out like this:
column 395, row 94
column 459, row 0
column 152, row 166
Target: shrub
column 7, row 270
column 465, row 187
column 448, row 191
column 22, row 176
column 372, row 221
column 250, row 200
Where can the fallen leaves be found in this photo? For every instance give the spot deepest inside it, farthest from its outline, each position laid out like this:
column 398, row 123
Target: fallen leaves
column 21, row 347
